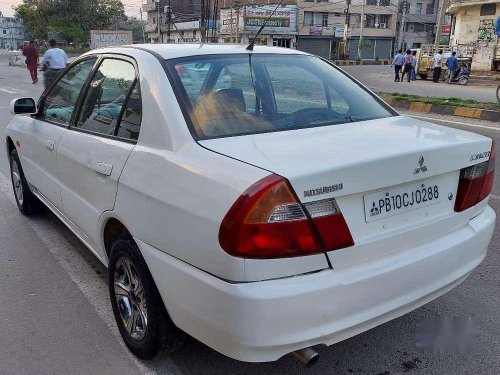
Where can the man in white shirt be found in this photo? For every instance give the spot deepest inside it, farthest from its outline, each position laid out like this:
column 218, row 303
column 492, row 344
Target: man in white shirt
column 53, row 62
column 438, row 64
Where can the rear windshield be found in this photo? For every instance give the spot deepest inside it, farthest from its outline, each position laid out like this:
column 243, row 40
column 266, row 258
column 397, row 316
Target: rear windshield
column 229, row 95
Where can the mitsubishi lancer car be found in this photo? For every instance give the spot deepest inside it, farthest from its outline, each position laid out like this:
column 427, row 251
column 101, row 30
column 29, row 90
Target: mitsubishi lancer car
column 259, row 200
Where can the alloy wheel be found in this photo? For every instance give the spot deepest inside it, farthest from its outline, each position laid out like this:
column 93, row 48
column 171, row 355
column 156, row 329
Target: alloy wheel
column 17, row 182
column 130, row 298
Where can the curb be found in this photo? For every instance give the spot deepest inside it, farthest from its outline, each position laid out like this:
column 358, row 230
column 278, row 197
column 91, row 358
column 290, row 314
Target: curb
column 475, row 113
column 361, row 62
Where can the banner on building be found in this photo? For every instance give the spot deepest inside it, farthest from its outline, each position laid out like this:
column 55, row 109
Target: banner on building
column 283, row 21
column 315, row 30
column 446, row 30
column 230, row 21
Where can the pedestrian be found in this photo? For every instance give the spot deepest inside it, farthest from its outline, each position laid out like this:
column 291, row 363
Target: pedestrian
column 452, row 65
column 398, row 64
column 407, row 67
column 438, row 64
column 53, row 61
column 31, row 54
column 414, row 66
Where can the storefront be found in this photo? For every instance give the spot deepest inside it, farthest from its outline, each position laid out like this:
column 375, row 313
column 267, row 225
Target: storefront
column 242, row 26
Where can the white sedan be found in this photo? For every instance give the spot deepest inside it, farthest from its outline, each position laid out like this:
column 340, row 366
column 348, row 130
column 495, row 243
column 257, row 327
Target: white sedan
column 263, row 205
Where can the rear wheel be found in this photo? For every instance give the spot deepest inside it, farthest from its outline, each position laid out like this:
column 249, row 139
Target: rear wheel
column 463, row 81
column 139, row 312
column 26, row 201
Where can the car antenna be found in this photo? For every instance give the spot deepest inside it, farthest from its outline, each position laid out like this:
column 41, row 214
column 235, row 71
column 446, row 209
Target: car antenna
column 252, row 43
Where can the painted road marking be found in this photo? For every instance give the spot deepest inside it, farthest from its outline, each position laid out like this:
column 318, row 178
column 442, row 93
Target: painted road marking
column 8, row 91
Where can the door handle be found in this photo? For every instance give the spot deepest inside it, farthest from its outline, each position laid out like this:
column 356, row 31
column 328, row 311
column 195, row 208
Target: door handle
column 103, row 168
column 49, row 144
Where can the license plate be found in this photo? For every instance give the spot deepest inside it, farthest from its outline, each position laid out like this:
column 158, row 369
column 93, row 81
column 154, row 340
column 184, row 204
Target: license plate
column 402, row 199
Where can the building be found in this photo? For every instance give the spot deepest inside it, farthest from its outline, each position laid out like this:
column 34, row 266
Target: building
column 473, row 22
column 157, row 12
column 419, row 23
column 11, row 32
column 322, row 23
column 239, row 23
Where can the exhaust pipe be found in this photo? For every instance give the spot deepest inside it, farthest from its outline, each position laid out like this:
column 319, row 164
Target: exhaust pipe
column 307, row 356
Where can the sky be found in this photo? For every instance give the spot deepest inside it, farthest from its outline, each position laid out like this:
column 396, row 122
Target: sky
column 131, row 6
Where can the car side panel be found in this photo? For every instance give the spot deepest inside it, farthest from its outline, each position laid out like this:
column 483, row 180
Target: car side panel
column 36, row 143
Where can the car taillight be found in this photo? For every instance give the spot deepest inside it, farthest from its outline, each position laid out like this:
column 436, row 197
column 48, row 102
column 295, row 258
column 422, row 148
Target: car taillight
column 475, row 183
column 268, row 221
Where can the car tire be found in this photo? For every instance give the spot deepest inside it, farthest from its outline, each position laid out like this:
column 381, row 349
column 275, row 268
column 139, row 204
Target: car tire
column 26, row 201
column 140, row 314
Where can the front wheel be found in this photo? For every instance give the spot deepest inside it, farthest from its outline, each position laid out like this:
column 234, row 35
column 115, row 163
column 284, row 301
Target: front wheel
column 463, row 81
column 498, row 93
column 26, row 201
column 139, row 312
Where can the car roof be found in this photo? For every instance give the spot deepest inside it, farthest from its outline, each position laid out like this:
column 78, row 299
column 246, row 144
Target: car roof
column 175, row 50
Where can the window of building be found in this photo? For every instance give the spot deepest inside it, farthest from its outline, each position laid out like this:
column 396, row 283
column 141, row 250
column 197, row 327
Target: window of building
column 371, row 20
column 383, row 21
column 488, row 9
column 430, row 8
column 418, row 27
column 324, row 19
column 385, row 3
column 418, row 8
column 416, row 45
column 337, row 15
column 308, row 18
column 5, row 31
column 371, row 2
column 106, row 97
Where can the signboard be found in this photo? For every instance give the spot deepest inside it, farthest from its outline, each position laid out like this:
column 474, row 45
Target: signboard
column 486, row 30
column 230, row 20
column 446, row 30
column 107, row 38
column 339, row 32
column 315, row 30
column 283, row 21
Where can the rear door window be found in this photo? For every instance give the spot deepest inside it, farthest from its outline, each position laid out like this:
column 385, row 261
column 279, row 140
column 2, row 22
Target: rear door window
column 111, row 93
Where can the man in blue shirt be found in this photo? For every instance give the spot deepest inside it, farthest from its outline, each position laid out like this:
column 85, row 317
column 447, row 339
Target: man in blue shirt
column 398, row 63
column 452, row 64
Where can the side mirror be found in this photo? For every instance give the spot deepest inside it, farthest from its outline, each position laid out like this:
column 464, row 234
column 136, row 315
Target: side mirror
column 23, row 106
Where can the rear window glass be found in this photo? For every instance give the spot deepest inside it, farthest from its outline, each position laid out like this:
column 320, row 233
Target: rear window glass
column 230, row 95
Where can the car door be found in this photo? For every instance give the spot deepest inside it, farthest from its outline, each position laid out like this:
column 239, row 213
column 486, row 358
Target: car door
column 92, row 153
column 43, row 132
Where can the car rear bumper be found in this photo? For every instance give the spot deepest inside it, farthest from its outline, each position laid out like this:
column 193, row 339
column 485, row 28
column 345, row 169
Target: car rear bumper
column 262, row 321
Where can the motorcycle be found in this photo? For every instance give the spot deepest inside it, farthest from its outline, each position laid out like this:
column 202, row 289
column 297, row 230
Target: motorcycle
column 462, row 78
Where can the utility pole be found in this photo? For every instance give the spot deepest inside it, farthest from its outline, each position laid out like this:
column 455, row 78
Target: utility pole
column 346, row 26
column 142, row 25
column 441, row 12
column 237, row 3
column 360, row 42
column 402, row 25
column 203, row 19
column 169, row 19
column 159, row 23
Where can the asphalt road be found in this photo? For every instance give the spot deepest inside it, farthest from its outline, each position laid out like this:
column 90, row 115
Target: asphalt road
column 55, row 317
column 380, row 78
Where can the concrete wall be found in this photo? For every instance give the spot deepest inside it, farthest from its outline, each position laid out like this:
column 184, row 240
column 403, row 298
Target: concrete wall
column 471, row 27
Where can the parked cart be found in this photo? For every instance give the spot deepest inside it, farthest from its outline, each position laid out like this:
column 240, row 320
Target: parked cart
column 425, row 55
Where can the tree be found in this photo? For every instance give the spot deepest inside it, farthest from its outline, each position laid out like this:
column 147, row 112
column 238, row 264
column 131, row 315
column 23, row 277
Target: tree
column 137, row 27
column 72, row 17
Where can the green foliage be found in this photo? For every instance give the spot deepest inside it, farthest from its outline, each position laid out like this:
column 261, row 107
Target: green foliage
column 68, row 32
column 71, row 17
column 455, row 102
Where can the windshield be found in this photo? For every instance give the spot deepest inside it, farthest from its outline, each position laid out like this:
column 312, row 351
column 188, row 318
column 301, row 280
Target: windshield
column 229, row 95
